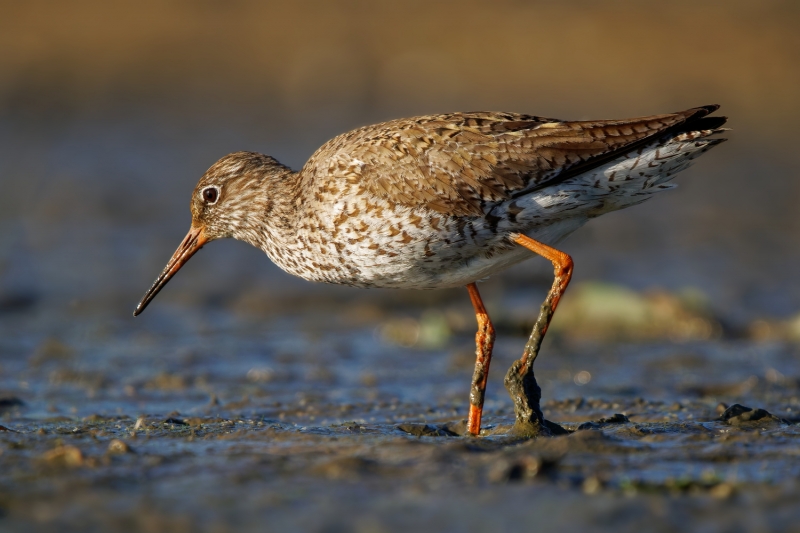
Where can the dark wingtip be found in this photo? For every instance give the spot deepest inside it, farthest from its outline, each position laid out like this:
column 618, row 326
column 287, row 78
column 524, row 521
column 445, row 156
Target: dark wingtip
column 697, row 119
column 699, row 112
column 708, row 123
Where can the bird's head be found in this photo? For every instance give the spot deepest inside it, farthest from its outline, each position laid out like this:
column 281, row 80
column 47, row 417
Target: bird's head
column 225, row 203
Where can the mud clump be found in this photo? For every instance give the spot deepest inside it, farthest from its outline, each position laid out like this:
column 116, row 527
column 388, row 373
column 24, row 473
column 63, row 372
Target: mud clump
column 746, row 417
column 600, row 423
column 8, row 403
column 119, row 447
column 519, row 469
column 64, row 457
column 425, row 430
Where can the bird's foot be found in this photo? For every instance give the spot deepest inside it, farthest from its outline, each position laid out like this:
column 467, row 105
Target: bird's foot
column 525, row 393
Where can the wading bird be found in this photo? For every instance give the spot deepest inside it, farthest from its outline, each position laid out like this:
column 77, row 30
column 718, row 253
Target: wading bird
column 442, row 201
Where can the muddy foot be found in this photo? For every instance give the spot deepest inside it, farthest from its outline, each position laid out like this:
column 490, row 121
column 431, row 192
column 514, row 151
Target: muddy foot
column 525, row 393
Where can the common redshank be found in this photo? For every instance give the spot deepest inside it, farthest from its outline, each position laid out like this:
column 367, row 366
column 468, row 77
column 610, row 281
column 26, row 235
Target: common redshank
column 442, row 201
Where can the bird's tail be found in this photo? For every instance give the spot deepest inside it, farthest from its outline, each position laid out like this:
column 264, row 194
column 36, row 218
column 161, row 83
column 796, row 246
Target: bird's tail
column 636, row 176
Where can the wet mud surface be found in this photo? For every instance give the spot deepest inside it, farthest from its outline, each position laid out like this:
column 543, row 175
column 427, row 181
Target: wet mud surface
column 318, row 421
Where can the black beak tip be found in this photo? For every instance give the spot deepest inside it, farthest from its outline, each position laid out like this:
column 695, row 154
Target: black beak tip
column 140, row 307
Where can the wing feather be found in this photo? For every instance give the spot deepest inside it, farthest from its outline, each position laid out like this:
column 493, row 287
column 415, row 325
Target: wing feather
column 458, row 162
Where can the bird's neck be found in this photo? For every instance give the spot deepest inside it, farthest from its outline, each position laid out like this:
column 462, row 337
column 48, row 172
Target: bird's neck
column 271, row 224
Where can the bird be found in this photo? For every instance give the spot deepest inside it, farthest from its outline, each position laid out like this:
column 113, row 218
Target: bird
column 441, row 201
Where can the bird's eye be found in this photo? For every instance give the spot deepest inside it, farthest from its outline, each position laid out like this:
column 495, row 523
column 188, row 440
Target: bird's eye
column 210, row 195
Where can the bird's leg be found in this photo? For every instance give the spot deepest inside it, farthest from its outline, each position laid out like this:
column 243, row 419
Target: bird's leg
column 484, row 340
column 520, row 380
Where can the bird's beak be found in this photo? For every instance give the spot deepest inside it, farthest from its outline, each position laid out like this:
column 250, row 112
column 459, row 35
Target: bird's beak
column 194, row 240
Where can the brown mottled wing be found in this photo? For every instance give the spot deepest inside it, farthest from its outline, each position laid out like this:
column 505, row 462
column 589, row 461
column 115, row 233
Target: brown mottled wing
column 455, row 163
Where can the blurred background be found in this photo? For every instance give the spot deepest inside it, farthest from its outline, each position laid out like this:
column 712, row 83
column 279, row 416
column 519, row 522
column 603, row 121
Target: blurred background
column 110, row 113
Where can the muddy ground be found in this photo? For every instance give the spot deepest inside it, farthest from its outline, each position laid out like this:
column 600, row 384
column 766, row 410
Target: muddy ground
column 320, row 420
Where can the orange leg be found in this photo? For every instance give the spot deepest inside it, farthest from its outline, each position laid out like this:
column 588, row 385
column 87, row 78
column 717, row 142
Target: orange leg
column 484, row 340
column 562, row 266
column 520, row 380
